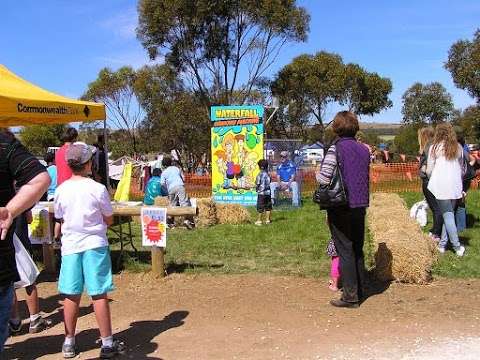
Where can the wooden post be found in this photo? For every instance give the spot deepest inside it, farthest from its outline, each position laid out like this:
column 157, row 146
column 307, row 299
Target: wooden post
column 49, row 259
column 158, row 261
column 158, row 253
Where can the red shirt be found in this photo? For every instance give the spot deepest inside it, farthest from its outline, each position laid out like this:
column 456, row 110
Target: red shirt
column 63, row 170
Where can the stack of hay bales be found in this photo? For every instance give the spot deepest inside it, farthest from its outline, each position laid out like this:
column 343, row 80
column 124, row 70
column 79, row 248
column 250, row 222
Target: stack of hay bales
column 403, row 252
column 210, row 213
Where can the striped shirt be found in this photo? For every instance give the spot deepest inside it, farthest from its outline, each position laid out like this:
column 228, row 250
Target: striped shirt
column 263, row 183
column 17, row 166
column 325, row 174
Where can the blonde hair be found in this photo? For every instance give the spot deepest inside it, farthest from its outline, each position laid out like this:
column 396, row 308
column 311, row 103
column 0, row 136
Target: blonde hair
column 444, row 134
column 425, row 136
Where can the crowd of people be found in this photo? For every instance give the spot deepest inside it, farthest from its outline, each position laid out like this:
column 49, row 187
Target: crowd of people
column 446, row 168
column 75, row 182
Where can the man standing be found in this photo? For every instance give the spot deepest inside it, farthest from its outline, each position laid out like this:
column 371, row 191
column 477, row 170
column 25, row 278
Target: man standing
column 100, row 162
column 286, row 172
column 19, row 166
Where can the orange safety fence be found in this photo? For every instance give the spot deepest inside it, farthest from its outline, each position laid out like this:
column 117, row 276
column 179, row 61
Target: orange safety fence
column 390, row 177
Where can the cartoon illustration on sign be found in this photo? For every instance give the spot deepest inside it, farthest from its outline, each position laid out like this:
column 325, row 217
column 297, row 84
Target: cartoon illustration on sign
column 237, row 145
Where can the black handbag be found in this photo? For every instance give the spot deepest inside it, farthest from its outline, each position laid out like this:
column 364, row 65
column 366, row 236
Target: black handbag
column 334, row 194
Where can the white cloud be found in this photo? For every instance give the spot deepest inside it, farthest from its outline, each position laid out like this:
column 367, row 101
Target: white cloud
column 123, row 24
column 135, row 58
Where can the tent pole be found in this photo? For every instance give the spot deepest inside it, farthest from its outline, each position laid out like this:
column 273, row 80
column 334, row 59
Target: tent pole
column 105, row 148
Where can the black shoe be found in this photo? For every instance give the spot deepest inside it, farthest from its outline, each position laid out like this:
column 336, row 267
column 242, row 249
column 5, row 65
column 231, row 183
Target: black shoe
column 108, row 352
column 344, row 304
column 15, row 329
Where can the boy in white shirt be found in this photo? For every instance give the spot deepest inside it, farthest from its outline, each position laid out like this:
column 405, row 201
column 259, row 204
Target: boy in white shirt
column 84, row 208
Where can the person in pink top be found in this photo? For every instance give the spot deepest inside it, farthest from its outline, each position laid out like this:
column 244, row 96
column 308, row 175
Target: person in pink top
column 63, row 171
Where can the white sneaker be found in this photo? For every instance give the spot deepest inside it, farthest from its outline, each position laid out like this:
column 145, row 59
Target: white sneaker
column 460, row 251
column 441, row 250
column 258, row 223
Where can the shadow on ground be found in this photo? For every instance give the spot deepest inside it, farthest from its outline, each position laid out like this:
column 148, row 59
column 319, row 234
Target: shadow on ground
column 138, row 337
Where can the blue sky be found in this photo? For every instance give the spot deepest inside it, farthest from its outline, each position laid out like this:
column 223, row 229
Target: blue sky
column 61, row 45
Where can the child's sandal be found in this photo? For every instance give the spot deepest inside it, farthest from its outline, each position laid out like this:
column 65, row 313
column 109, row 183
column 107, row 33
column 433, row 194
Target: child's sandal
column 331, row 286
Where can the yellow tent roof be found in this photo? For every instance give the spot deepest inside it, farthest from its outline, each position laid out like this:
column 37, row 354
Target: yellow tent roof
column 22, row 103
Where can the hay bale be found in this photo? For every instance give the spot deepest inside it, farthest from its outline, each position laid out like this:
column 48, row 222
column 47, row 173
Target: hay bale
column 404, row 252
column 232, row 214
column 161, row 201
column 207, row 213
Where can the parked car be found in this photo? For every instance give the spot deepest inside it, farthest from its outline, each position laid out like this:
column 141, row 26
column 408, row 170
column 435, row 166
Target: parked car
column 312, row 155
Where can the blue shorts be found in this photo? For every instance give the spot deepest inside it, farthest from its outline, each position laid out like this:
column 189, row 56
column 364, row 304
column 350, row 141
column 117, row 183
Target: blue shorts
column 91, row 269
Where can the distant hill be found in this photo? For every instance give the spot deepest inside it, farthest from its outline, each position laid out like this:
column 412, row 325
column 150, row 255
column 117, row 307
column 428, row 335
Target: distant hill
column 383, row 130
column 368, row 126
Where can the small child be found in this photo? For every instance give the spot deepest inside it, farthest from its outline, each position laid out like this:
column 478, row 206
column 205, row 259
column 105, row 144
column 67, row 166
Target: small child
column 154, row 188
column 334, row 266
column 264, row 198
column 83, row 205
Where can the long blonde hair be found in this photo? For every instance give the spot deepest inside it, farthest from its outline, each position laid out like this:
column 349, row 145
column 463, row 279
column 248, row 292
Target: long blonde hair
column 425, row 136
column 444, row 134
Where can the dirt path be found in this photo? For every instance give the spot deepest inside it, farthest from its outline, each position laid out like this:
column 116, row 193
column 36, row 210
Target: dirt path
column 265, row 317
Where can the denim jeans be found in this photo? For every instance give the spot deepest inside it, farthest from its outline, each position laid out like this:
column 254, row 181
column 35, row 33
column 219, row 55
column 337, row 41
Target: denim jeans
column 461, row 218
column 284, row 185
column 6, row 302
column 449, row 230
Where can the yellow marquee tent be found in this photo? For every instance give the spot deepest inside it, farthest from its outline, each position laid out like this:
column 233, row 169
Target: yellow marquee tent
column 22, row 103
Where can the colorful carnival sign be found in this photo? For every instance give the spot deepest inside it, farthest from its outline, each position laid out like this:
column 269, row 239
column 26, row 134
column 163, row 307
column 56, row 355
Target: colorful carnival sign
column 154, row 226
column 237, row 145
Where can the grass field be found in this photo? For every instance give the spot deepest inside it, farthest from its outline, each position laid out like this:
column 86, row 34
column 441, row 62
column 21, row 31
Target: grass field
column 294, row 244
column 449, row 265
column 386, row 137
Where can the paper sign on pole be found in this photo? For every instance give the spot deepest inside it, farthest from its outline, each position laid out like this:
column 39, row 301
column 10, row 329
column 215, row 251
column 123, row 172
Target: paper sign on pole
column 39, row 229
column 154, row 226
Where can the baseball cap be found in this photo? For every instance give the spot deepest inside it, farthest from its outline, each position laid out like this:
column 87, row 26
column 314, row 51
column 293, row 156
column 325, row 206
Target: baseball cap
column 79, row 153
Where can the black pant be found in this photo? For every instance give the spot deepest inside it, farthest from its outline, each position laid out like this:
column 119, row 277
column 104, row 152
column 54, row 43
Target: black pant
column 433, row 205
column 348, row 232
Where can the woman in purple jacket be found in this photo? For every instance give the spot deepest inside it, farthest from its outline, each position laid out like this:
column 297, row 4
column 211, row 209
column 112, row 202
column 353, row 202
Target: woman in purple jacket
column 347, row 223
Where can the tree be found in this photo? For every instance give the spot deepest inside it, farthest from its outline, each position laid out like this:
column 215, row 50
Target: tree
column 368, row 137
column 469, row 121
column 464, row 65
column 117, row 90
column 365, row 93
column 406, row 142
column 174, row 116
column 216, row 43
column 426, row 104
column 290, row 122
column 37, row 138
column 311, row 82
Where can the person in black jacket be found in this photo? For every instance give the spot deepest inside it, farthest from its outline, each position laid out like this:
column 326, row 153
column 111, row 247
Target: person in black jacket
column 425, row 138
column 19, row 166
